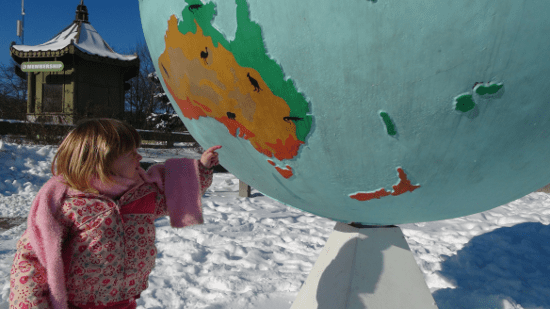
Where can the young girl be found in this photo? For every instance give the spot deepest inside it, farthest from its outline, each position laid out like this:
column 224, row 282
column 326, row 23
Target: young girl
column 90, row 238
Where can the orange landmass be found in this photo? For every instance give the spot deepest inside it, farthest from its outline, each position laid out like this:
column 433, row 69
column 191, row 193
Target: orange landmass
column 262, row 150
column 288, row 150
column 187, row 108
column 233, row 125
column 206, row 108
column 370, row 195
column 403, row 186
column 206, row 81
column 286, row 173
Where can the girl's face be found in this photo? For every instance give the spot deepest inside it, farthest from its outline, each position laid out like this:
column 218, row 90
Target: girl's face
column 127, row 165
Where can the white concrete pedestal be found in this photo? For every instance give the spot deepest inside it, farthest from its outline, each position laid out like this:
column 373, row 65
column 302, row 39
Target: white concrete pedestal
column 365, row 268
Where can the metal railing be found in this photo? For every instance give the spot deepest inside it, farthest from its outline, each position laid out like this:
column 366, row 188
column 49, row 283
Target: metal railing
column 54, row 132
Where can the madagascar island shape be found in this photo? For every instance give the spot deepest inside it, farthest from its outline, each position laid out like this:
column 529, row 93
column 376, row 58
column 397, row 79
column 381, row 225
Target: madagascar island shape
column 235, row 82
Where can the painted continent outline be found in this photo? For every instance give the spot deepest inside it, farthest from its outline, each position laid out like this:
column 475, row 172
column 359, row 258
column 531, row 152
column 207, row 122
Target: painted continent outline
column 234, row 82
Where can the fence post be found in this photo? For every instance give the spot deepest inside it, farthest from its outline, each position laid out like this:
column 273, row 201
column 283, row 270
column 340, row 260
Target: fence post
column 169, row 142
column 244, row 189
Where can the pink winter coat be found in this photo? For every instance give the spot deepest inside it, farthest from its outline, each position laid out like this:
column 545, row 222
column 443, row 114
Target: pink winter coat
column 82, row 250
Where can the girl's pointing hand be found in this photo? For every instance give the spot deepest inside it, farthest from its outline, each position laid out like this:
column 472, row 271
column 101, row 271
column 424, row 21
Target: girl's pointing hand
column 210, row 157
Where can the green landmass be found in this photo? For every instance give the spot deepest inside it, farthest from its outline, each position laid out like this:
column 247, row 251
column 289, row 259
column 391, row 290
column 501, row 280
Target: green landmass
column 390, row 127
column 491, row 89
column 465, row 103
column 249, row 51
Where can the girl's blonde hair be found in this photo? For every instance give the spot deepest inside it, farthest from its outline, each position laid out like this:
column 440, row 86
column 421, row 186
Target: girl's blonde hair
column 90, row 149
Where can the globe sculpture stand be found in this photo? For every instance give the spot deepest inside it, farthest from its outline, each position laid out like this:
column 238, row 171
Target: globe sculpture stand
column 366, row 267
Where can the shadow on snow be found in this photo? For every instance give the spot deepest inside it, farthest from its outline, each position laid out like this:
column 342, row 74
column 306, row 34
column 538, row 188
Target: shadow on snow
column 508, row 265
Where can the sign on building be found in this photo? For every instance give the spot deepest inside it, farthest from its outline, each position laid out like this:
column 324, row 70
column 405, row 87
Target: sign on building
column 46, row 66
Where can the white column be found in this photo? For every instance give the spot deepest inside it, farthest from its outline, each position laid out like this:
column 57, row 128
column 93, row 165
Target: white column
column 365, row 268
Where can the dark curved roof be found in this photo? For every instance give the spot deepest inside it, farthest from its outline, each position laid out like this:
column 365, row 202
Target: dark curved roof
column 80, row 36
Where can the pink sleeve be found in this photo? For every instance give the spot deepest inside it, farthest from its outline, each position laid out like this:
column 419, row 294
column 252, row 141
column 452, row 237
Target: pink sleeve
column 45, row 234
column 206, row 176
column 28, row 283
column 179, row 180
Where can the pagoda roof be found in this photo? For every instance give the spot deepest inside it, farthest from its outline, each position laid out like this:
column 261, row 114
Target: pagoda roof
column 80, row 36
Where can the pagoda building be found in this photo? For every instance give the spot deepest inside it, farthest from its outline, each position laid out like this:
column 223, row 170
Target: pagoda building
column 75, row 75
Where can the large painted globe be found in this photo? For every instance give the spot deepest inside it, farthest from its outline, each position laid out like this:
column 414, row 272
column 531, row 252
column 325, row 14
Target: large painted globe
column 377, row 112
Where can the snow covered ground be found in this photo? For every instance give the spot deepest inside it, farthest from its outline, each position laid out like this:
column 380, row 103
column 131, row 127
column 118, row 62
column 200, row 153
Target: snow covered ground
column 255, row 252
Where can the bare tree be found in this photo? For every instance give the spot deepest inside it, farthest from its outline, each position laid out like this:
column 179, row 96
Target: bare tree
column 165, row 119
column 147, row 106
column 13, row 92
column 140, row 98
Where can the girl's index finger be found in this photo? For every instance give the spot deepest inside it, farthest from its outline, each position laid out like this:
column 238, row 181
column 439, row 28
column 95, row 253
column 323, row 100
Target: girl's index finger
column 214, row 148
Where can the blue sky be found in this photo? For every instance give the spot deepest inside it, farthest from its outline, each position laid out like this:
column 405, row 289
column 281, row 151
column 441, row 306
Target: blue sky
column 117, row 21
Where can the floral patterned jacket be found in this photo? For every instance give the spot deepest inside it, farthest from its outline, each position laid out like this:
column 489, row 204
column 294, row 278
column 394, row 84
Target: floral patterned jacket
column 108, row 249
